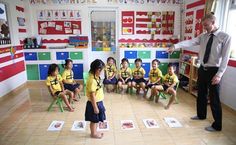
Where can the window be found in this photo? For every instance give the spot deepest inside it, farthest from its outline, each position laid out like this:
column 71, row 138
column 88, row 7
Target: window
column 103, row 29
column 231, row 26
column 4, row 27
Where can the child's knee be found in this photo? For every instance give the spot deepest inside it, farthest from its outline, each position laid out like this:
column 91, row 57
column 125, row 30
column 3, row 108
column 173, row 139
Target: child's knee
column 172, row 91
column 129, row 84
column 133, row 84
column 63, row 95
column 80, row 87
column 77, row 90
column 142, row 84
column 70, row 93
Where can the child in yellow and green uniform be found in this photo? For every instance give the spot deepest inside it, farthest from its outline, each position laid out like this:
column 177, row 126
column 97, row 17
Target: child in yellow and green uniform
column 68, row 79
column 55, row 85
column 125, row 74
column 110, row 74
column 170, row 81
column 138, row 76
column 155, row 75
column 95, row 110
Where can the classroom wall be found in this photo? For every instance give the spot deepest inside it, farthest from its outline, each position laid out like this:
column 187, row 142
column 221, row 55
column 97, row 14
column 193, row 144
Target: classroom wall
column 228, row 87
column 85, row 18
column 12, row 67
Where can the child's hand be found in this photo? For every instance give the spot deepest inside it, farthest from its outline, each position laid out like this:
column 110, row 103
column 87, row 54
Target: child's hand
column 168, row 89
column 170, row 49
column 167, row 84
column 54, row 97
column 96, row 110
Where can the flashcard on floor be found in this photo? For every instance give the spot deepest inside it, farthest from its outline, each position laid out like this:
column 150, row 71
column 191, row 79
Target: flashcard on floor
column 172, row 122
column 103, row 126
column 127, row 124
column 78, row 125
column 150, row 123
column 56, row 125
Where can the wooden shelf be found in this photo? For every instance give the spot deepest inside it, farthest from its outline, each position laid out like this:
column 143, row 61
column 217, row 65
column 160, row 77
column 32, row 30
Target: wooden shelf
column 194, row 93
column 196, row 66
column 185, row 88
column 185, row 62
column 193, row 68
column 185, row 75
column 194, row 79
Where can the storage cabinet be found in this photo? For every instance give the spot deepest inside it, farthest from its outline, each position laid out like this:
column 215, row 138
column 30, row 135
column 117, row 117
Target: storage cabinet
column 32, row 72
column 76, row 55
column 144, row 54
column 43, row 68
column 44, row 56
column 62, row 55
column 30, row 56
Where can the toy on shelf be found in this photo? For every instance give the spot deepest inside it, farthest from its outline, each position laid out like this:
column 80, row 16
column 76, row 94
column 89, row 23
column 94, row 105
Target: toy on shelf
column 79, row 41
column 33, row 43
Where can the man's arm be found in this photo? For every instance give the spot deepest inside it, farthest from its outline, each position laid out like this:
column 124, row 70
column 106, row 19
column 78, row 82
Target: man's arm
column 188, row 43
column 185, row 44
column 225, row 56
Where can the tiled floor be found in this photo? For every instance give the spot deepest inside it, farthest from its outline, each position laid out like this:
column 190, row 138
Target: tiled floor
column 24, row 121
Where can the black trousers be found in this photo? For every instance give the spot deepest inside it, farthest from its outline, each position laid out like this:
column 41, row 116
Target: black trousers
column 205, row 88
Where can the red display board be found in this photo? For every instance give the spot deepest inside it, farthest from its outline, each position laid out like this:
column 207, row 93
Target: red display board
column 59, row 27
column 127, row 22
column 148, row 22
column 198, row 24
column 168, row 18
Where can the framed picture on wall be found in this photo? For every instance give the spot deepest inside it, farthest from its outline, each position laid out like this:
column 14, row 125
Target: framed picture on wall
column 56, row 15
column 77, row 15
column 41, row 15
column 63, row 14
column 21, row 21
column 71, row 15
column 4, row 26
column 49, row 15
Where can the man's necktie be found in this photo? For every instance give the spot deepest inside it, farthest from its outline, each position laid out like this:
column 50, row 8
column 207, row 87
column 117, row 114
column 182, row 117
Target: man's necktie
column 208, row 49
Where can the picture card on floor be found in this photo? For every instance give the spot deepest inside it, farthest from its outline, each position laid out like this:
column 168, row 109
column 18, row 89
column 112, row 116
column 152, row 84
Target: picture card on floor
column 103, row 126
column 150, row 123
column 172, row 122
column 127, row 124
column 78, row 125
column 56, row 125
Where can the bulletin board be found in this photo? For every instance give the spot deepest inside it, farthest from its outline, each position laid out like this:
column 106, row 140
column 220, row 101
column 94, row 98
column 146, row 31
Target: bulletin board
column 56, row 22
column 168, row 18
column 59, row 27
column 198, row 25
column 148, row 22
column 127, row 22
column 188, row 25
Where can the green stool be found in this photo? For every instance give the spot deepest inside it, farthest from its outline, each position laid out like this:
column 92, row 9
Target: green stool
column 57, row 101
column 164, row 95
column 85, row 77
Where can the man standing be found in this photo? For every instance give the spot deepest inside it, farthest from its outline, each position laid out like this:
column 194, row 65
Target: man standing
column 214, row 56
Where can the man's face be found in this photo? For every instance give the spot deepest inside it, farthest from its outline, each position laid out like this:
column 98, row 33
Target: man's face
column 208, row 25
